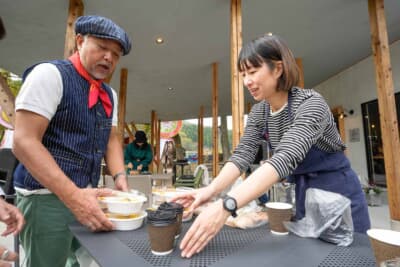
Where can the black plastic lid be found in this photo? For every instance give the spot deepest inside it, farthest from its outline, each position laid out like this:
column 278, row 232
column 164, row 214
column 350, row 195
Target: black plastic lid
column 161, row 217
column 171, row 206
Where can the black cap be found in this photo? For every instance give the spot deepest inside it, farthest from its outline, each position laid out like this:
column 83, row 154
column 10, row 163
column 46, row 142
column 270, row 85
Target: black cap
column 140, row 137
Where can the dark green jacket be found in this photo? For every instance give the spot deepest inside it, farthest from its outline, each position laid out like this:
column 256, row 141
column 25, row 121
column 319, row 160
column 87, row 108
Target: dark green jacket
column 138, row 156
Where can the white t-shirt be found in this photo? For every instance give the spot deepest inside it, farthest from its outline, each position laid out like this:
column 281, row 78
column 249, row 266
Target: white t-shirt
column 42, row 91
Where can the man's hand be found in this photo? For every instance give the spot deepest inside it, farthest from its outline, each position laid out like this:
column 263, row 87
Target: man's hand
column 121, row 183
column 83, row 204
column 12, row 217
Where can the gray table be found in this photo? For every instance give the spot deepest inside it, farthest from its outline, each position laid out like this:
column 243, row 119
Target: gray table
column 231, row 247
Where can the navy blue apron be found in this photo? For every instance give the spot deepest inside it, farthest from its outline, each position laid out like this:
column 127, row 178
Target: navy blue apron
column 330, row 172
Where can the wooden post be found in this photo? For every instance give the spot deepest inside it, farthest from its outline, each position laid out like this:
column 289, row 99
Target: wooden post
column 75, row 10
column 338, row 113
column 200, row 136
column 387, row 106
column 215, row 152
column 157, row 153
column 122, row 104
column 153, row 127
column 236, row 79
column 299, row 62
column 153, row 130
column 7, row 101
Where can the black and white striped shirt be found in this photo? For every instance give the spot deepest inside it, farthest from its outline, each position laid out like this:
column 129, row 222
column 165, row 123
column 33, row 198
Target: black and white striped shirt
column 311, row 123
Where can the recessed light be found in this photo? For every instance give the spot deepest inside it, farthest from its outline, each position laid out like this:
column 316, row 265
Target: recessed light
column 170, row 88
column 159, row 40
column 269, row 34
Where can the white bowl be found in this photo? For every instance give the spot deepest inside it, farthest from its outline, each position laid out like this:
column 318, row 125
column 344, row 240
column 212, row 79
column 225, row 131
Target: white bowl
column 128, row 222
column 162, row 196
column 124, row 205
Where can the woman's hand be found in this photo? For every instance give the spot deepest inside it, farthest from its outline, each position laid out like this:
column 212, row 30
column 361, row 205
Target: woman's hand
column 205, row 227
column 193, row 199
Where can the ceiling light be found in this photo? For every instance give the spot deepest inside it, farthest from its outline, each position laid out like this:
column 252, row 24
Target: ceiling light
column 170, row 88
column 159, row 40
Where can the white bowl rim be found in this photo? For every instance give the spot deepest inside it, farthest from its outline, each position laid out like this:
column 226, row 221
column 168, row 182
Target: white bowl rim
column 278, row 205
column 184, row 189
column 386, row 236
column 143, row 214
column 166, row 193
column 117, row 199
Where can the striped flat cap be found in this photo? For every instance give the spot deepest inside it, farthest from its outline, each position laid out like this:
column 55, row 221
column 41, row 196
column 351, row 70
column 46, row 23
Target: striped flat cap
column 102, row 27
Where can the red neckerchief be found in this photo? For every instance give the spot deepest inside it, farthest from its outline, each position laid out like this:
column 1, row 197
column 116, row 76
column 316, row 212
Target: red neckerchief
column 95, row 90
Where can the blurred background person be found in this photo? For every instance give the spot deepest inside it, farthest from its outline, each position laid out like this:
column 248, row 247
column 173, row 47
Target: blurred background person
column 138, row 154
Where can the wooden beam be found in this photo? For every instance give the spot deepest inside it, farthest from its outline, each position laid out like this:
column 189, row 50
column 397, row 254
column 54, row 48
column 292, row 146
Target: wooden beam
column 128, row 130
column 122, row 103
column 157, row 153
column 338, row 113
column 75, row 10
column 153, row 131
column 236, row 79
column 215, row 152
column 133, row 126
column 200, row 136
column 387, row 106
column 7, row 100
column 299, row 62
column 153, row 127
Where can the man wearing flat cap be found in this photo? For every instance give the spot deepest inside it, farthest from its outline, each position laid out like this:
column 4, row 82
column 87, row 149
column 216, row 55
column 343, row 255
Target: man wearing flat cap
column 65, row 123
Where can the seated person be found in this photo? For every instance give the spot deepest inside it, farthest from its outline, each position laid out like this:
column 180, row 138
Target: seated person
column 138, row 154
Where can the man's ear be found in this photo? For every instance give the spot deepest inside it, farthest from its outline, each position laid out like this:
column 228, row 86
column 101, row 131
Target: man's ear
column 79, row 39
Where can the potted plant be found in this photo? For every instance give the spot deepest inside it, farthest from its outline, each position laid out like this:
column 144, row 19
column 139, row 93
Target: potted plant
column 373, row 195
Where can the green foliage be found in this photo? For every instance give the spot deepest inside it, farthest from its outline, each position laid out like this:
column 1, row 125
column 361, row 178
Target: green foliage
column 12, row 81
column 372, row 188
column 189, row 137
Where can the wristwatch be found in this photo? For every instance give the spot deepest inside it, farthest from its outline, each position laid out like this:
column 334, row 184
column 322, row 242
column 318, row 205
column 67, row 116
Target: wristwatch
column 230, row 205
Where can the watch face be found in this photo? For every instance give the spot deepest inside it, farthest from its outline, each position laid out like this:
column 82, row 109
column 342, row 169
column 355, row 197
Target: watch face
column 230, row 204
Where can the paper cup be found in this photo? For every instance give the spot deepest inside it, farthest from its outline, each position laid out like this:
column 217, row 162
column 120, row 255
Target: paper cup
column 385, row 244
column 279, row 212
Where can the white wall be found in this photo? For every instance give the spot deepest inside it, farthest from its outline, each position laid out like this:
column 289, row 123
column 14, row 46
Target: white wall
column 352, row 87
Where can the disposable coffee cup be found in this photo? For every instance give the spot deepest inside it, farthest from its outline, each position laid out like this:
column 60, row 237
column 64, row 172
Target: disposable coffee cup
column 279, row 212
column 161, row 228
column 385, row 244
column 178, row 209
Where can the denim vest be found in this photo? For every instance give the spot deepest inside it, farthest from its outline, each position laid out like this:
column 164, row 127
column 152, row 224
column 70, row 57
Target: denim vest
column 76, row 136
